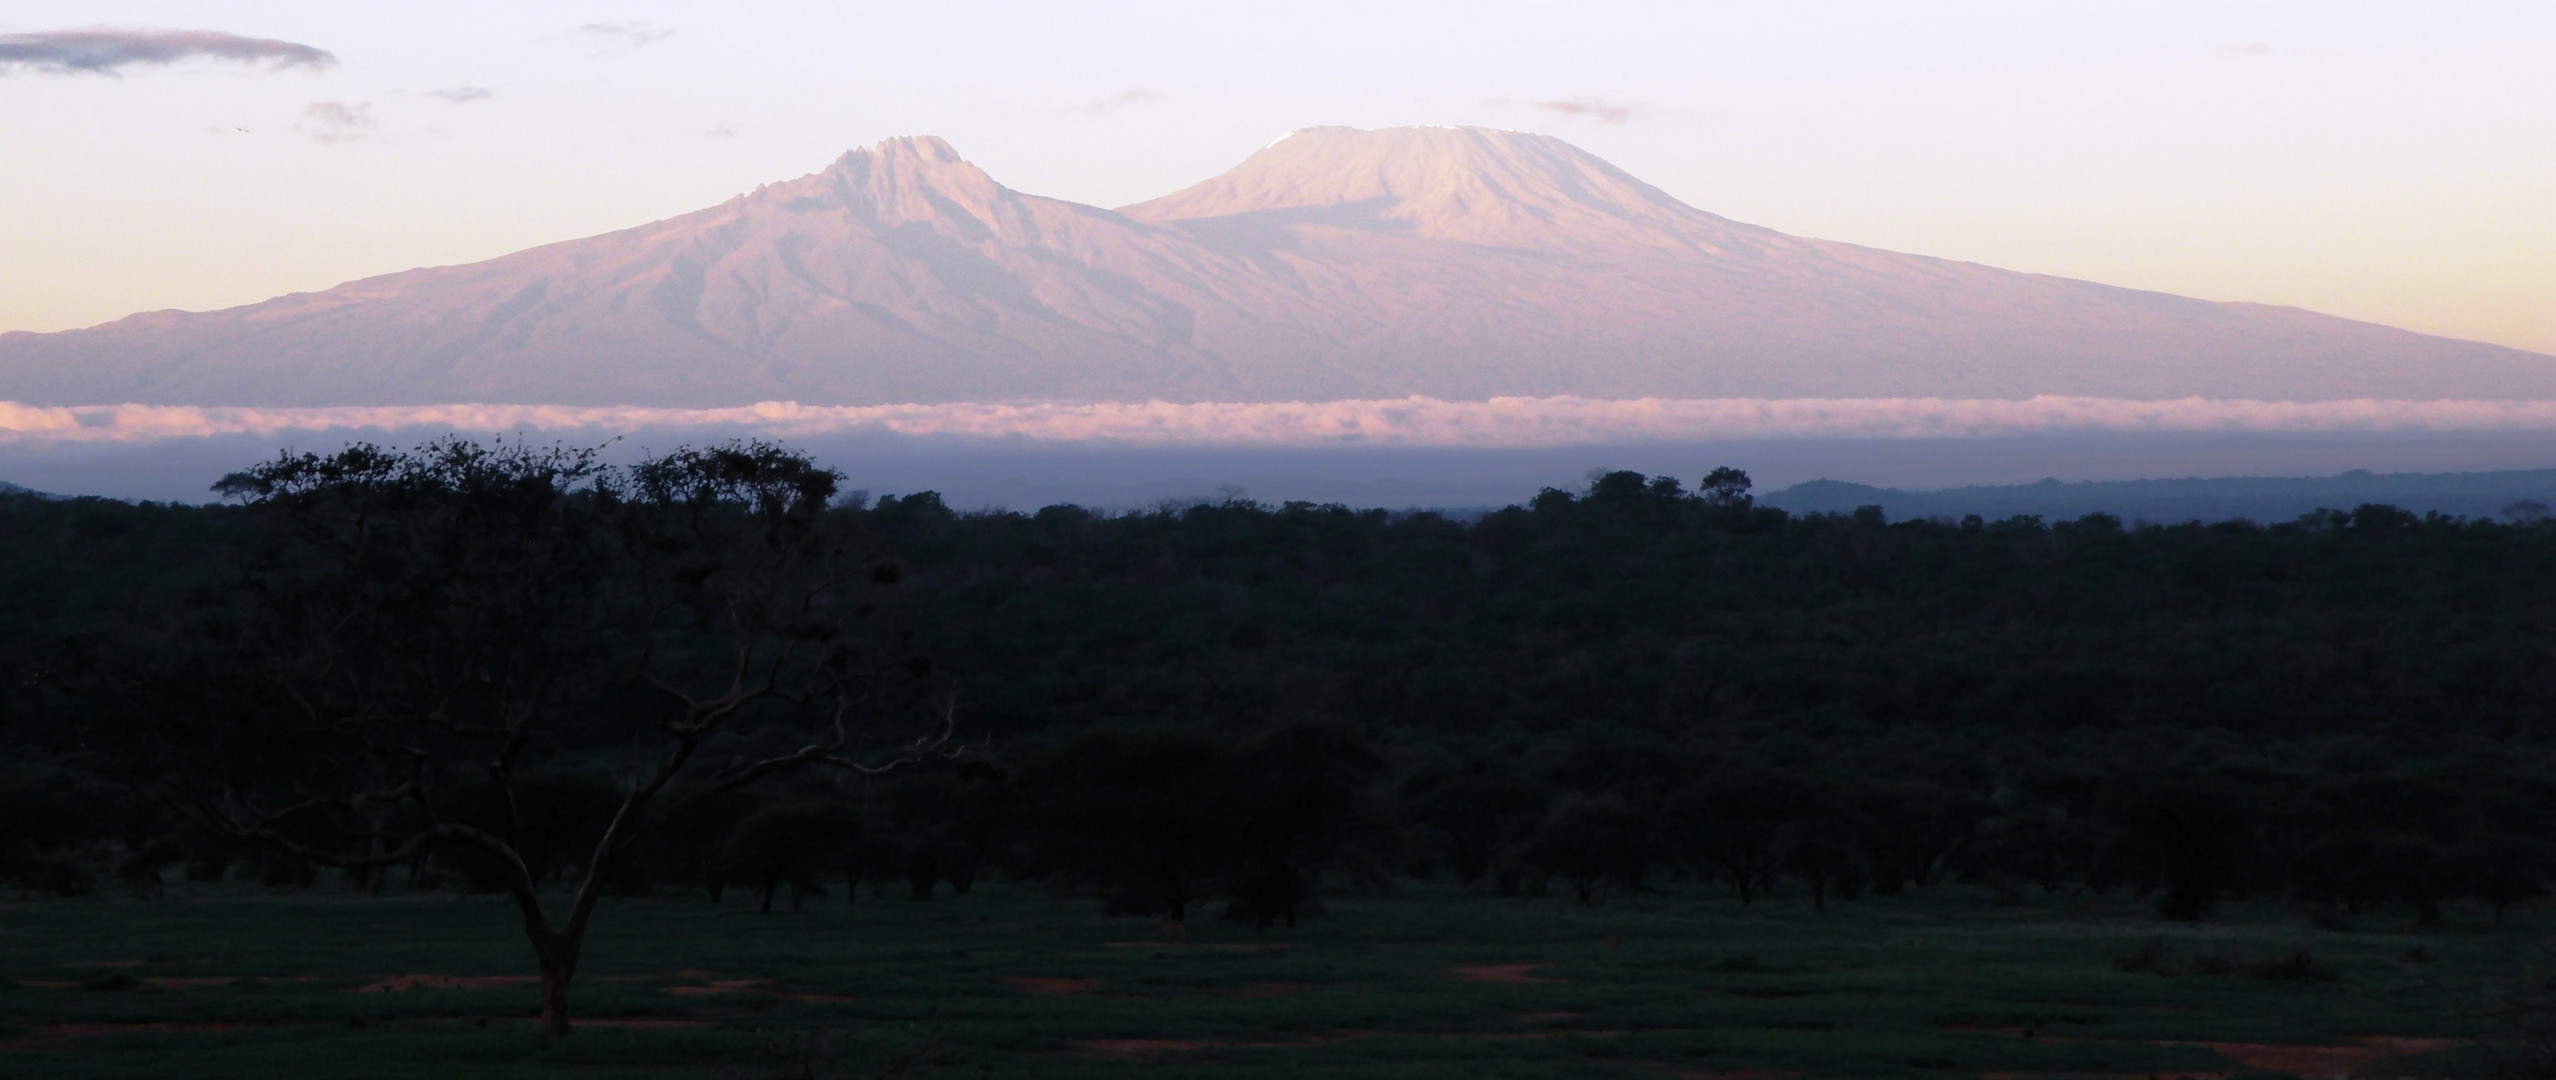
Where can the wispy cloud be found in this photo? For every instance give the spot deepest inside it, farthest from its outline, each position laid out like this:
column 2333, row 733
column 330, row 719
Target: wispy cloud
column 462, row 95
column 1124, row 99
column 2250, row 48
column 1499, row 422
column 338, row 122
column 104, row 51
column 623, row 36
column 1592, row 108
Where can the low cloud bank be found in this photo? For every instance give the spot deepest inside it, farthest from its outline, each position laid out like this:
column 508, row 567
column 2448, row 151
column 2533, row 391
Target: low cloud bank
column 1499, row 422
column 106, row 51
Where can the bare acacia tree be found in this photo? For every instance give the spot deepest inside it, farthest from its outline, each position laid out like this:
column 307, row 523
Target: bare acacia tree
column 419, row 622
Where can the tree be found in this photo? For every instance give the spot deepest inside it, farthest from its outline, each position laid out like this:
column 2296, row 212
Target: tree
column 792, row 842
column 1144, row 814
column 1481, row 815
column 416, row 624
column 2188, row 838
column 1304, row 807
column 1594, row 842
column 1725, row 488
column 1736, row 823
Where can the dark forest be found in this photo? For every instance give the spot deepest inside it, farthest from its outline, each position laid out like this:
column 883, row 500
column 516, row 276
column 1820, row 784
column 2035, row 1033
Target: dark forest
column 462, row 668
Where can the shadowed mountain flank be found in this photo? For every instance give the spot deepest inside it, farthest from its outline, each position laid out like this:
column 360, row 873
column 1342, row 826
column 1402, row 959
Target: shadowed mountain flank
column 1455, row 263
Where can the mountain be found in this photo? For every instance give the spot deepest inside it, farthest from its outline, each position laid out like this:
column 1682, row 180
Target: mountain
column 1456, row 263
column 2512, row 495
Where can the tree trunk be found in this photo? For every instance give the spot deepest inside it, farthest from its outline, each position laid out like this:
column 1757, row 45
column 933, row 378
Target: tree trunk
column 554, row 997
column 556, row 950
column 374, row 872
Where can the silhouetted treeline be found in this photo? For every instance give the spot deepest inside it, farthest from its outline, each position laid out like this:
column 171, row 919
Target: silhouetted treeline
column 1603, row 691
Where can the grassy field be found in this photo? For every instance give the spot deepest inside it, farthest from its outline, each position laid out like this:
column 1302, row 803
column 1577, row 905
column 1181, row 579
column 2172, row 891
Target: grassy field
column 1426, row 981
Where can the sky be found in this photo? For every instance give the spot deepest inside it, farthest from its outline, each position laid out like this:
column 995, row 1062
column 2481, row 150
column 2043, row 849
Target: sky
column 2388, row 162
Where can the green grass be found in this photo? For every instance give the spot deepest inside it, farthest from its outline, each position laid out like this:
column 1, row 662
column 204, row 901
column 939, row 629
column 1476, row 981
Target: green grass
column 1680, row 983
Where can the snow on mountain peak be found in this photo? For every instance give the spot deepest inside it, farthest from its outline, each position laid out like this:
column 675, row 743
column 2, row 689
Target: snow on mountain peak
column 1480, row 185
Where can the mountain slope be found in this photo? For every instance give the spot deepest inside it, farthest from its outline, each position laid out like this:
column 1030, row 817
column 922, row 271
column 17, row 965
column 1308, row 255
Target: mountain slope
column 1336, row 263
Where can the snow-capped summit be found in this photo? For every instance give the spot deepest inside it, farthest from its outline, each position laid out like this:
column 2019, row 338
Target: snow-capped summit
column 1475, row 185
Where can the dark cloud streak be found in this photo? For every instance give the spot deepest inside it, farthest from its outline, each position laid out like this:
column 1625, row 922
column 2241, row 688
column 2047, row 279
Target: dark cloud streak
column 1593, row 108
column 460, row 95
column 625, row 36
column 103, row 51
column 1123, row 99
column 333, row 122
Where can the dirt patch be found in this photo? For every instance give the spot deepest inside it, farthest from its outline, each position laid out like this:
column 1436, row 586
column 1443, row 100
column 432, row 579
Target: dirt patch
column 2320, row 1062
column 637, row 1022
column 52, row 1032
column 761, row 987
column 1258, row 990
column 1501, row 973
column 2311, row 1061
column 398, row 983
column 2106, row 1076
column 191, row 982
column 1058, row 987
column 722, row 986
column 1153, row 1048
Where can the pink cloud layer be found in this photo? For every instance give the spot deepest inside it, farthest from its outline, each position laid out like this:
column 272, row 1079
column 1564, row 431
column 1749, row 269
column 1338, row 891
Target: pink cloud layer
column 1547, row 421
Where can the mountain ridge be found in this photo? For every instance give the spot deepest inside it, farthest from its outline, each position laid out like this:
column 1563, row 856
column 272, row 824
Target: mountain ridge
column 1458, row 263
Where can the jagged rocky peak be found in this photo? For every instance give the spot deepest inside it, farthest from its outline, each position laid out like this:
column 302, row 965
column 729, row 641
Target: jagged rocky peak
column 914, row 178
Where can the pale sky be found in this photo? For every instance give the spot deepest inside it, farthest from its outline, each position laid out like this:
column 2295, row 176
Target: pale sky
column 2388, row 162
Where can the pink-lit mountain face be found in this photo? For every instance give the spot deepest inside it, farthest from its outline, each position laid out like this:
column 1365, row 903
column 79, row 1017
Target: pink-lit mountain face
column 1455, row 263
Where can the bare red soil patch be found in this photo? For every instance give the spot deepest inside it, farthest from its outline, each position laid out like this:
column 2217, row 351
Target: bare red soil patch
column 2321, row 1062
column 1057, row 987
column 753, row 986
column 1255, row 991
column 75, row 1031
column 191, row 982
column 2364, row 1057
column 722, row 986
column 445, row 982
column 1501, row 973
column 2111, row 1076
column 639, row 1022
column 1149, row 1048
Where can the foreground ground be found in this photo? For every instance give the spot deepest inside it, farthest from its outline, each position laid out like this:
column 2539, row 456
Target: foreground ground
column 1423, row 982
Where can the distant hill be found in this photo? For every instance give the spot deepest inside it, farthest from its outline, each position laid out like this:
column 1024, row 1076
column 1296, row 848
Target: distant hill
column 1454, row 263
column 2261, row 499
column 7, row 488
